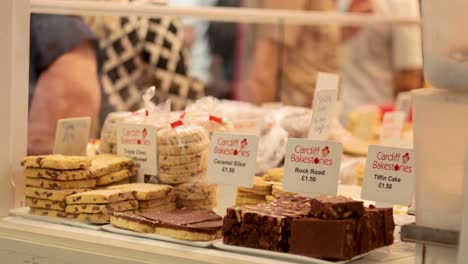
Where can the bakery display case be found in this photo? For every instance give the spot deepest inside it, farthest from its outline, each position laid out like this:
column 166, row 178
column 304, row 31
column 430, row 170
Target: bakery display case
column 89, row 208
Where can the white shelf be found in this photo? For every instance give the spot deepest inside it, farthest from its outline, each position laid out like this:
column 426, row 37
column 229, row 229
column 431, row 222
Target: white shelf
column 226, row 14
column 19, row 235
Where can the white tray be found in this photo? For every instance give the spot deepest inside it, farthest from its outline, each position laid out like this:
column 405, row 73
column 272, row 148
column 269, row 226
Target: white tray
column 202, row 244
column 24, row 213
column 278, row 255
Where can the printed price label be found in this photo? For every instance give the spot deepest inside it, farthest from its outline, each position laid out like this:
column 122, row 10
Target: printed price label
column 232, row 159
column 403, row 103
column 312, row 167
column 248, row 126
column 324, row 106
column 389, row 175
column 139, row 143
column 392, row 126
column 72, row 136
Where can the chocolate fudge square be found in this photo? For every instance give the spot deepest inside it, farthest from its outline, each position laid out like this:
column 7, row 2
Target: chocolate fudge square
column 336, row 207
column 262, row 226
column 298, row 205
column 232, row 227
column 324, row 239
column 388, row 223
column 370, row 231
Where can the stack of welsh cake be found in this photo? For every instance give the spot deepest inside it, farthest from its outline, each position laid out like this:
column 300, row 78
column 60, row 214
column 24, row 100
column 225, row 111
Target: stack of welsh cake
column 151, row 197
column 95, row 206
column 112, row 170
column 50, row 179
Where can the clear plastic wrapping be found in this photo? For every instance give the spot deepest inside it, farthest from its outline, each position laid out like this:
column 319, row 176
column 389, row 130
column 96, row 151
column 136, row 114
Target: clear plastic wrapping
column 183, row 152
column 295, row 120
column 108, row 142
column 204, row 113
column 157, row 115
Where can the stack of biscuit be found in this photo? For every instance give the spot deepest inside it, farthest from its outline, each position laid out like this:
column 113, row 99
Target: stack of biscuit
column 183, row 154
column 255, row 195
column 196, row 195
column 51, row 178
column 277, row 192
column 112, row 170
column 274, row 175
column 95, row 206
column 151, row 197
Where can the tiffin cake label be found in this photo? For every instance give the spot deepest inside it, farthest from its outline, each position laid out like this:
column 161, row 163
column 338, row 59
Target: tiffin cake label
column 389, row 175
column 312, row 167
column 232, row 159
column 139, row 143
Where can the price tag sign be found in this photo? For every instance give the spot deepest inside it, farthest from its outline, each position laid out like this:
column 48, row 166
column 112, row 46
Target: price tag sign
column 389, row 175
column 139, row 143
column 403, row 103
column 72, row 136
column 324, row 106
column 312, row 167
column 248, row 126
column 392, row 126
column 232, row 159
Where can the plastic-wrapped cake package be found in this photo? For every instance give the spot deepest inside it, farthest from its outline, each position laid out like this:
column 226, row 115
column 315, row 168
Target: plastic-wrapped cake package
column 182, row 151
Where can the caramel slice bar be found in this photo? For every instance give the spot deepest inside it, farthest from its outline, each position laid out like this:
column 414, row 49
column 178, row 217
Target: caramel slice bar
column 187, row 224
column 58, row 185
column 336, row 207
column 101, row 197
column 58, row 162
column 132, row 222
column 54, row 195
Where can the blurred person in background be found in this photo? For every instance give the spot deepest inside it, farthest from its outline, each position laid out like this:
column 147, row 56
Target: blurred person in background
column 287, row 58
column 223, row 40
column 195, row 34
column 139, row 52
column 379, row 62
column 63, row 77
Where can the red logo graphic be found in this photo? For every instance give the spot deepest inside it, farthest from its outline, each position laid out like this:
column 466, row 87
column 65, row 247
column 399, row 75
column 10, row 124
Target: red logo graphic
column 325, row 151
column 316, row 160
column 397, row 168
column 139, row 142
column 235, row 152
column 144, row 133
column 244, row 143
column 406, row 158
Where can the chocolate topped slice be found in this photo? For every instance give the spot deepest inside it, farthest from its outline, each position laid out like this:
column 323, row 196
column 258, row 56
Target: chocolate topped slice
column 203, row 221
column 336, row 207
column 186, row 224
column 183, row 216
